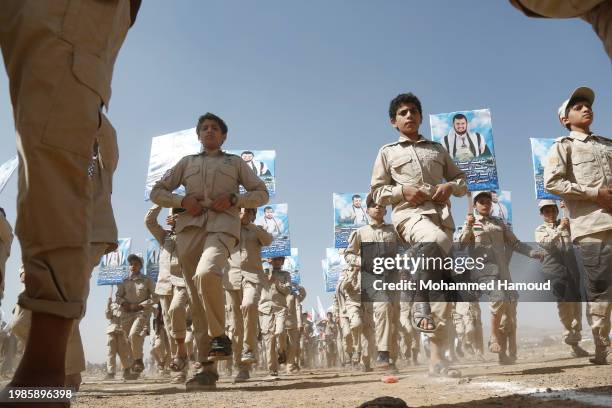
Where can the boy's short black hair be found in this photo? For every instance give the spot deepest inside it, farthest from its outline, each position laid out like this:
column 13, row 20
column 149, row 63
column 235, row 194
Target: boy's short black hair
column 404, row 99
column 134, row 257
column 211, row 116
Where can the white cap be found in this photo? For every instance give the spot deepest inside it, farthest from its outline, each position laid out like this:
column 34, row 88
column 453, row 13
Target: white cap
column 582, row 93
column 476, row 194
column 544, row 203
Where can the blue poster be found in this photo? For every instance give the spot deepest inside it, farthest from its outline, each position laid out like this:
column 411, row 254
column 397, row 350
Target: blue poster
column 350, row 213
column 262, row 164
column 539, row 152
column 6, row 171
column 274, row 219
column 292, row 265
column 468, row 137
column 152, row 259
column 114, row 267
column 333, row 268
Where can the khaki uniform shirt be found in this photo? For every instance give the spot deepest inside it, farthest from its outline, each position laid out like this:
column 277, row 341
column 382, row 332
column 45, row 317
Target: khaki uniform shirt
column 548, row 234
column 6, row 240
column 170, row 273
column 206, row 176
column 137, row 290
column 423, row 164
column 494, row 236
column 245, row 259
column 294, row 308
column 113, row 315
column 383, row 233
column 579, row 165
column 274, row 293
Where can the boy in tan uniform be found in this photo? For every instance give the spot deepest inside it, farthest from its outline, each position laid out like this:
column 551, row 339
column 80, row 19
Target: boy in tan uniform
column 409, row 175
column 117, row 343
column 560, row 263
column 136, row 297
column 275, row 287
column 170, row 288
column 579, row 170
column 491, row 236
column 386, row 313
column 207, row 232
column 350, row 343
column 293, row 327
column 243, row 285
column 63, row 223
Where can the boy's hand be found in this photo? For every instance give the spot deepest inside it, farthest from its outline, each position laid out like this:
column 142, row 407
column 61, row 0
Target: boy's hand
column 192, row 206
column 604, row 198
column 413, row 195
column 565, row 223
column 470, row 219
column 443, row 192
column 221, row 203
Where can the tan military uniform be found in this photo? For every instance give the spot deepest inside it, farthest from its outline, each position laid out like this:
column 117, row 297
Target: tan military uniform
column 577, row 166
column 272, row 314
column 329, row 332
column 596, row 12
column 423, row 164
column 293, row 326
column 243, row 285
column 136, row 290
column 117, row 342
column 204, row 243
column 348, row 341
column 552, row 237
column 6, row 240
column 468, row 326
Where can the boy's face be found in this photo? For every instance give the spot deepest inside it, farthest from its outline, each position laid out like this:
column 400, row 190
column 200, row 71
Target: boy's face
column 407, row 119
column 210, row 135
column 377, row 213
column 483, row 205
column 135, row 266
column 549, row 213
column 579, row 114
column 277, row 262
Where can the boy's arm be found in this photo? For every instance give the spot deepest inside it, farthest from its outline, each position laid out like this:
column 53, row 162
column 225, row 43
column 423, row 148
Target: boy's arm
column 516, row 244
column 555, row 177
column 257, row 193
column 353, row 250
column 153, row 226
column 382, row 186
column 162, row 192
column 263, row 236
column 467, row 235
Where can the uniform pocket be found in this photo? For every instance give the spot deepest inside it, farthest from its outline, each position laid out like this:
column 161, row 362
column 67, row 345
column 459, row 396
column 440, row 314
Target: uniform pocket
column 404, row 170
column 584, row 167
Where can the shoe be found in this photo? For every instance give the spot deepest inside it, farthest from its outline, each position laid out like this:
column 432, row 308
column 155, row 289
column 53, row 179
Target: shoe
column 220, row 349
column 242, row 376
column 292, row 369
column 601, row 356
column 109, row 376
column 578, row 351
column 128, row 375
column 138, row 366
column 382, row 361
column 248, row 357
column 203, row 381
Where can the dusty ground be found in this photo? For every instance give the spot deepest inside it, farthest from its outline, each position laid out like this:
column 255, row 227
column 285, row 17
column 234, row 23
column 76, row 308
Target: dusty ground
column 543, row 375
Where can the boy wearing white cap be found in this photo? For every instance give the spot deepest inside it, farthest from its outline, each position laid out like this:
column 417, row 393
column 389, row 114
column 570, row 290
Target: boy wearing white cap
column 560, row 263
column 579, row 170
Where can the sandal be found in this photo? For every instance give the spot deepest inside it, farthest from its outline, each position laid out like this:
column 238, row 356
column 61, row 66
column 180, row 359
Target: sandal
column 441, row 369
column 494, row 345
column 178, row 364
column 220, row 349
column 422, row 312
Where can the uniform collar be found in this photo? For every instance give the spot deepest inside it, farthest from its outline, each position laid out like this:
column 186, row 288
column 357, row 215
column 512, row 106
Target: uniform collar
column 406, row 139
column 579, row 135
column 136, row 277
column 550, row 224
column 375, row 224
column 214, row 154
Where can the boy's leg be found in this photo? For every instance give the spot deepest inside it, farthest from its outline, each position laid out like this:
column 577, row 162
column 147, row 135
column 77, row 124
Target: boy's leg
column 250, row 296
column 111, row 353
column 177, row 316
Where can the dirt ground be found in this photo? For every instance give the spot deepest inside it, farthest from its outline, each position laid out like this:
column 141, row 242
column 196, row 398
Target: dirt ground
column 546, row 376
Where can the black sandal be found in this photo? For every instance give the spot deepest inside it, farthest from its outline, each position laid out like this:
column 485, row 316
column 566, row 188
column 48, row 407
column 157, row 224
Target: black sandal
column 422, row 312
column 220, row 349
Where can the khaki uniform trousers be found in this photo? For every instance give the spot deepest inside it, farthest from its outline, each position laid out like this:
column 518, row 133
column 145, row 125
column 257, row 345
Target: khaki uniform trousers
column 160, row 349
column 368, row 340
column 425, row 229
column 468, row 324
column 59, row 58
column 570, row 315
column 136, row 325
column 293, row 347
column 273, row 331
column 353, row 324
column 165, row 301
column 203, row 257
column 348, row 343
column 243, row 309
column 117, row 344
column 409, row 335
column 507, row 325
column 596, row 251
column 386, row 317
column 177, row 314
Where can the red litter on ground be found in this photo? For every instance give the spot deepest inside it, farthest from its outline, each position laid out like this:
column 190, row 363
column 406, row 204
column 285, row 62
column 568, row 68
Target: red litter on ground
column 390, row 379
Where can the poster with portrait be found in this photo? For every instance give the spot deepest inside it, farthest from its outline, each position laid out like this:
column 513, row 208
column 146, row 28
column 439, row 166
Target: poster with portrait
column 113, row 267
column 6, row 171
column 292, row 265
column 468, row 138
column 539, row 152
column 274, row 218
column 333, row 268
column 262, row 164
column 501, row 206
column 152, row 259
column 350, row 213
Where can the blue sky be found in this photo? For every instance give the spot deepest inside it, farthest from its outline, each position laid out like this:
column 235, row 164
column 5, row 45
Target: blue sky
column 312, row 80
